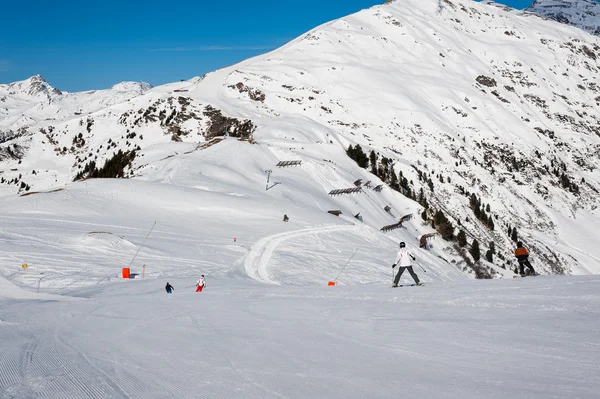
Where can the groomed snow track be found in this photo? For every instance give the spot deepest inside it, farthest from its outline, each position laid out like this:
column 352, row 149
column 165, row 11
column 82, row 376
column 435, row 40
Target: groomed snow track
column 257, row 261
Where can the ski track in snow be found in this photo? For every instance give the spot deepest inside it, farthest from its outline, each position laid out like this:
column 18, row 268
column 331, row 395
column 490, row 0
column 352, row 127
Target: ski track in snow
column 256, row 261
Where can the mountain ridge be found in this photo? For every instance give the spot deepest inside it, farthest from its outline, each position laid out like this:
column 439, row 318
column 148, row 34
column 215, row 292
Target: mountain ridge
column 584, row 14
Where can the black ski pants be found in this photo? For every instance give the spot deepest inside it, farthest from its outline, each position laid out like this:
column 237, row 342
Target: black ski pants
column 410, row 270
column 522, row 268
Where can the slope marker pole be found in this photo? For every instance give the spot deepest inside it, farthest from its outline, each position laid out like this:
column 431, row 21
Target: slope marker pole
column 334, row 282
column 138, row 251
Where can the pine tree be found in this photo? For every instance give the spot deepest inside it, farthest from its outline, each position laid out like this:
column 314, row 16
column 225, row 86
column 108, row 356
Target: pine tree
column 474, row 251
column 487, row 208
column 461, row 238
column 394, row 181
column 509, row 230
column 373, row 161
column 490, row 223
column 349, row 152
column 473, row 201
column 492, row 247
column 446, row 230
column 363, row 160
column 357, row 154
column 489, row 256
column 513, row 235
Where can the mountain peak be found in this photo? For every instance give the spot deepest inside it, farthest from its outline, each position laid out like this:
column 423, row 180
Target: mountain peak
column 37, row 78
column 139, row 87
column 34, row 86
column 584, row 14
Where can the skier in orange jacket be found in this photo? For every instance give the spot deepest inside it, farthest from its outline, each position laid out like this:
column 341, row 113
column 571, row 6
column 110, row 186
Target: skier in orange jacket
column 522, row 255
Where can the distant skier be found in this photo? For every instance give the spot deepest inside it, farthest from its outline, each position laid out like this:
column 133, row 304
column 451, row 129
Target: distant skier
column 522, row 255
column 403, row 261
column 200, row 284
column 169, row 288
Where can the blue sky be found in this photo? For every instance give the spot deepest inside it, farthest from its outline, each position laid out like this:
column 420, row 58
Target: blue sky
column 77, row 46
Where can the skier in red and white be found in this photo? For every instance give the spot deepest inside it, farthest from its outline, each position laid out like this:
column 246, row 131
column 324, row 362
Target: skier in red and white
column 403, row 261
column 200, row 284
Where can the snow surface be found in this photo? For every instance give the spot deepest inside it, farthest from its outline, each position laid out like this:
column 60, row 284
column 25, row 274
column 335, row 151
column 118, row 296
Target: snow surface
column 522, row 338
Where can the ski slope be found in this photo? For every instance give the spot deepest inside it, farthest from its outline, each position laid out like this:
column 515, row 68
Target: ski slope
column 267, row 325
column 521, row 338
column 401, row 79
column 206, row 222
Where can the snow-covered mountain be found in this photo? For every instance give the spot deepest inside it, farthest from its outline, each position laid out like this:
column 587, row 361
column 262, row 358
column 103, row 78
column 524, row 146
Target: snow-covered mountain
column 473, row 104
column 31, row 101
column 584, row 14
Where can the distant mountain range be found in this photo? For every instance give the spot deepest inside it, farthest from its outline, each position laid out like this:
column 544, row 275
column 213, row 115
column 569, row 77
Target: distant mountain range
column 584, row 14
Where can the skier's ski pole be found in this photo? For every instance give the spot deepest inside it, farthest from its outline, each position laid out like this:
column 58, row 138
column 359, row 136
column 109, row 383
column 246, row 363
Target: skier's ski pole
column 421, row 266
column 347, row 263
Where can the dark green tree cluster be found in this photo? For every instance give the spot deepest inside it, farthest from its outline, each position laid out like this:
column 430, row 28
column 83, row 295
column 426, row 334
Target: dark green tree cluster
column 475, row 251
column 405, row 187
column 489, row 255
column 358, row 155
column 113, row 167
column 422, row 200
column 423, row 177
column 567, row 184
column 382, row 168
column 443, row 226
column 461, row 238
column 385, row 171
column 559, row 169
column 24, row 186
column 512, row 233
column 481, row 212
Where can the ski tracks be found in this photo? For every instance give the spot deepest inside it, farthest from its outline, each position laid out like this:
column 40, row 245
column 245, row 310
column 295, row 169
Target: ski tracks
column 257, row 261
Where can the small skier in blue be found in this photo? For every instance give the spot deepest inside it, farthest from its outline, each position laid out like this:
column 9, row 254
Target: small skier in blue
column 169, row 288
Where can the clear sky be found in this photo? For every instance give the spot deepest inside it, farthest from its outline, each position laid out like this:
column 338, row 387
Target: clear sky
column 80, row 45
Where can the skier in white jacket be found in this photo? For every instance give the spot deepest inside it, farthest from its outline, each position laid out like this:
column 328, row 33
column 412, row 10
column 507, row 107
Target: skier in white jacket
column 200, row 284
column 403, row 261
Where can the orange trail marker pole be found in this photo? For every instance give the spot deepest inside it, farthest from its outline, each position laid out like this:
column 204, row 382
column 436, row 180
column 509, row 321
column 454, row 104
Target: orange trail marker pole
column 334, row 282
column 138, row 251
